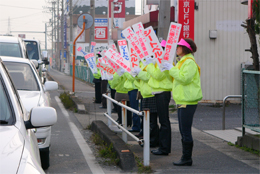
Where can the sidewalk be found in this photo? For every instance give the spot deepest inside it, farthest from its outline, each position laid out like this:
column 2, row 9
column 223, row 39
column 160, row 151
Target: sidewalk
column 211, row 152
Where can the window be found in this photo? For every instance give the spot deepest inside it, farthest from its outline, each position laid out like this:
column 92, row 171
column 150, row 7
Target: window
column 32, row 49
column 22, row 76
column 5, row 109
column 10, row 49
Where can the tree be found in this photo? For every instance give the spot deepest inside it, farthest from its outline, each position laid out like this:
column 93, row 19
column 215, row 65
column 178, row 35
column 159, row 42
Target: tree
column 252, row 26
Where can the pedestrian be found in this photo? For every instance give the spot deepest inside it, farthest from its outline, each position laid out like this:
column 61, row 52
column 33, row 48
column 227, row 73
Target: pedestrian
column 121, row 94
column 161, row 85
column 148, row 102
column 186, row 92
column 132, row 93
column 97, row 82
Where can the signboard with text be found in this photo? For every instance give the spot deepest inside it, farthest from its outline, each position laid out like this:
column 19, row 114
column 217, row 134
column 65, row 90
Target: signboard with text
column 186, row 18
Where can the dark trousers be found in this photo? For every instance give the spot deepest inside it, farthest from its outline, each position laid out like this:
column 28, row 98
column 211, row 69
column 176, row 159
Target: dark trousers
column 103, row 91
column 113, row 92
column 98, row 94
column 185, row 118
column 162, row 102
column 154, row 129
column 128, row 114
column 134, row 104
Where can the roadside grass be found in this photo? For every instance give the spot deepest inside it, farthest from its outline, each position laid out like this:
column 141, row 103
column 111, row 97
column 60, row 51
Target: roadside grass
column 68, row 102
column 141, row 167
column 257, row 152
column 105, row 151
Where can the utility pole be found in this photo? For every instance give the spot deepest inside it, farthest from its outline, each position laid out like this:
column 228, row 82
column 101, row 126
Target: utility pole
column 164, row 19
column 58, row 36
column 71, row 29
column 62, row 35
column 92, row 28
column 52, row 19
column 45, row 36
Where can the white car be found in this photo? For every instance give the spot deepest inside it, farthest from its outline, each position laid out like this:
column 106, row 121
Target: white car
column 33, row 93
column 13, row 47
column 19, row 152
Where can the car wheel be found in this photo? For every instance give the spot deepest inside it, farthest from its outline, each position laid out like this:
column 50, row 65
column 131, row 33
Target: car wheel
column 45, row 158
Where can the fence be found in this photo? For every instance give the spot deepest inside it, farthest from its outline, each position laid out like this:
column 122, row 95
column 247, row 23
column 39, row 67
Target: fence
column 251, row 100
column 83, row 73
column 146, row 125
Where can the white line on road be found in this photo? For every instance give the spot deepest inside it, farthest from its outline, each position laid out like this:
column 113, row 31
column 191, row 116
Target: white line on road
column 89, row 157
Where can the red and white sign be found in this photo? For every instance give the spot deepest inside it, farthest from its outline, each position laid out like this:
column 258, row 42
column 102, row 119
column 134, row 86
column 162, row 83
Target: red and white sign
column 108, row 61
column 136, row 42
column 171, row 43
column 134, row 58
column 113, row 47
column 186, row 18
column 154, row 43
column 119, row 12
column 139, row 30
column 100, row 33
column 105, row 67
column 118, row 59
column 21, row 36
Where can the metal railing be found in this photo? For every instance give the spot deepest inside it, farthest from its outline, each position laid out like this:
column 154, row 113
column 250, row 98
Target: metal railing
column 224, row 109
column 146, row 125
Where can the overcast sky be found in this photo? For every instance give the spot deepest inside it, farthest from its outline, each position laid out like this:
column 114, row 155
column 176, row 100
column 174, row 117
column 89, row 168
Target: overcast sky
column 27, row 15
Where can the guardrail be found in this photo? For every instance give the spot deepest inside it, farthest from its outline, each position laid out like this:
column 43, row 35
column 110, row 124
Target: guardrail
column 224, row 108
column 146, row 125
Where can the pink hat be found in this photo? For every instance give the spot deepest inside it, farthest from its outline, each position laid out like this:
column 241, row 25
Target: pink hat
column 163, row 43
column 184, row 43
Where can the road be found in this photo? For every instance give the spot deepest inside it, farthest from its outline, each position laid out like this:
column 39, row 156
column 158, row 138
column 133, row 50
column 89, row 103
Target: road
column 71, row 149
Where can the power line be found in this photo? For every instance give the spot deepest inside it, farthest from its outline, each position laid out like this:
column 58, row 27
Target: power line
column 20, row 7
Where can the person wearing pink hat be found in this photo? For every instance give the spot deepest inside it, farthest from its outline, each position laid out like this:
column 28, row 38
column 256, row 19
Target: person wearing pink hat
column 186, row 92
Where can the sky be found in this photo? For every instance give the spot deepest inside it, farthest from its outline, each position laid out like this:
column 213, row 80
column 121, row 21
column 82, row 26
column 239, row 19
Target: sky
column 28, row 15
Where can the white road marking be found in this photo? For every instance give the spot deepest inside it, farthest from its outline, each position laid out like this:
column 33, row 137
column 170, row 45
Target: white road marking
column 89, row 157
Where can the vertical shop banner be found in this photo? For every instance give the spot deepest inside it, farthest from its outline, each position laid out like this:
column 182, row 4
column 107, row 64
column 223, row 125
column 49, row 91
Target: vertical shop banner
column 139, row 30
column 101, row 29
column 134, row 58
column 118, row 59
column 92, row 47
column 186, row 18
column 90, row 59
column 136, row 43
column 171, row 43
column 118, row 11
column 154, row 43
column 65, row 31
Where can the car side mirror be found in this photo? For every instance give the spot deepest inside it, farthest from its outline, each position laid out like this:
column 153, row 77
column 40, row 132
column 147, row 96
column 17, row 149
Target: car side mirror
column 35, row 62
column 50, row 85
column 41, row 117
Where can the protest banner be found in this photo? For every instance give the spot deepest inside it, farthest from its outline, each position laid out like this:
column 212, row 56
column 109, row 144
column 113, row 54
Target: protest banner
column 136, row 42
column 118, row 59
column 139, row 30
column 123, row 49
column 171, row 43
column 115, row 66
column 113, row 47
column 90, row 58
column 134, row 58
column 92, row 47
column 104, row 67
column 154, row 43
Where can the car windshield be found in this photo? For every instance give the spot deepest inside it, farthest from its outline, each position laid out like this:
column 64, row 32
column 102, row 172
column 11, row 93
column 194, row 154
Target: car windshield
column 5, row 109
column 22, row 76
column 10, row 49
column 32, row 49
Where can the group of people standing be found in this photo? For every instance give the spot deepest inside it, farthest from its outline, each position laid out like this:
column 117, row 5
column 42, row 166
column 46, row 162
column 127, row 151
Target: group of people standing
column 156, row 84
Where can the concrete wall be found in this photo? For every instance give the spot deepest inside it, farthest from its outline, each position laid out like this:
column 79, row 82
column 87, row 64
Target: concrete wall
column 220, row 59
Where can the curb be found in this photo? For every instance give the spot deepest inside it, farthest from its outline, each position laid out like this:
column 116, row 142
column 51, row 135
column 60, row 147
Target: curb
column 126, row 156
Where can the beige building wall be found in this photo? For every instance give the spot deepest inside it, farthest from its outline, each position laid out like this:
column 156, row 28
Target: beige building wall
column 220, row 59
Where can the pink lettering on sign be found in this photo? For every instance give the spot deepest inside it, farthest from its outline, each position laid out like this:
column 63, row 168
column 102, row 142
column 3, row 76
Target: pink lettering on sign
column 89, row 55
column 93, row 43
column 79, row 48
column 122, row 42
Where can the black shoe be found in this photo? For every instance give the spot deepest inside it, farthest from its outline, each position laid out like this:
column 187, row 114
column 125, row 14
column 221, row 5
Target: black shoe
column 183, row 162
column 158, row 152
column 134, row 130
column 96, row 102
column 139, row 136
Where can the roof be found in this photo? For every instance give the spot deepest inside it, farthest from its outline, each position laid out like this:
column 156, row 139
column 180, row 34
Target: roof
column 14, row 59
column 9, row 39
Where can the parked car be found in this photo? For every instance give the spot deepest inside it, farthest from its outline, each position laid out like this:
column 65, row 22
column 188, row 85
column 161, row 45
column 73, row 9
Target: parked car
column 19, row 152
column 12, row 46
column 33, row 93
column 33, row 47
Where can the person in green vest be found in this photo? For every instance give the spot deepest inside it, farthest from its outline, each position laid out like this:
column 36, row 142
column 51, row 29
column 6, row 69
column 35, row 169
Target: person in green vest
column 186, row 92
column 161, row 85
